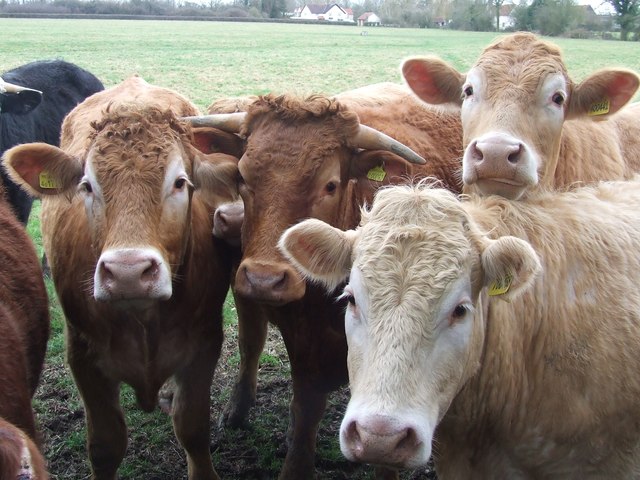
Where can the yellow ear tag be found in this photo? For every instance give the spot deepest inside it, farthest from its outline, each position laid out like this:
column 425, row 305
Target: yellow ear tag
column 377, row 174
column 47, row 181
column 599, row 108
column 500, row 286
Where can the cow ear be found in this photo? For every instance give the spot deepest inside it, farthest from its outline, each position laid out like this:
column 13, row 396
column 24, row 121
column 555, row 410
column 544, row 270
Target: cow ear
column 216, row 173
column 321, row 252
column 433, row 80
column 603, row 93
column 379, row 167
column 510, row 266
column 211, row 140
column 20, row 103
column 42, row 169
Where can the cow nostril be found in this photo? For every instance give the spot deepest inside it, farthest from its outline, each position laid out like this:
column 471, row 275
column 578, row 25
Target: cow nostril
column 105, row 272
column 151, row 271
column 408, row 441
column 515, row 156
column 476, row 153
column 353, row 437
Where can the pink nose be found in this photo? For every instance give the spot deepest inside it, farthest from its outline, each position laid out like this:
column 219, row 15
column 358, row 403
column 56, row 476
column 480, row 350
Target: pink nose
column 227, row 222
column 503, row 152
column 380, row 439
column 270, row 282
column 130, row 274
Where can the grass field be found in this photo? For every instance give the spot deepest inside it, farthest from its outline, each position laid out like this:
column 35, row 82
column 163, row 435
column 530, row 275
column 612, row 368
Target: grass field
column 206, row 61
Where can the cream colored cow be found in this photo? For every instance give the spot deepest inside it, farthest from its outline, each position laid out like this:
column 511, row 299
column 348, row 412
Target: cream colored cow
column 527, row 125
column 542, row 385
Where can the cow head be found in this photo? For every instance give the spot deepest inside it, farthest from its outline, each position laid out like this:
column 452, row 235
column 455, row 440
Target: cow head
column 414, row 321
column 136, row 180
column 303, row 159
column 514, row 102
column 18, row 100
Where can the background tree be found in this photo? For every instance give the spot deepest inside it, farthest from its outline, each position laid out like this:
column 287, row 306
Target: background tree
column 627, row 13
column 474, row 15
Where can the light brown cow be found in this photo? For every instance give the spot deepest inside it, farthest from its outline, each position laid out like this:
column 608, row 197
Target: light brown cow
column 302, row 161
column 24, row 331
column 127, row 202
column 527, row 125
column 542, row 385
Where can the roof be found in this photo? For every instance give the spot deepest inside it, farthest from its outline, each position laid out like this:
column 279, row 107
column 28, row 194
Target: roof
column 505, row 10
column 365, row 15
column 320, row 9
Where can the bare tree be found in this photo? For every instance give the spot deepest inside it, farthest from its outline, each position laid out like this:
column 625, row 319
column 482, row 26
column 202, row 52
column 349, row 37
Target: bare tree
column 498, row 5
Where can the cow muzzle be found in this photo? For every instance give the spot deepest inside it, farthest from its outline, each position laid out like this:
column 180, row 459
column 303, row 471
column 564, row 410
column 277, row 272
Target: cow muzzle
column 227, row 222
column 383, row 440
column 132, row 274
column 499, row 164
column 269, row 282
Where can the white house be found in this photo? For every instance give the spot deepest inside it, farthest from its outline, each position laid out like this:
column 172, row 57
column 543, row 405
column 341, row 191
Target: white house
column 506, row 20
column 369, row 19
column 330, row 13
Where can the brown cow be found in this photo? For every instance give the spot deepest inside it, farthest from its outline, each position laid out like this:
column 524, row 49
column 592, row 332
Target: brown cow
column 503, row 335
column 24, row 331
column 527, row 125
column 139, row 278
column 302, row 161
column 20, row 458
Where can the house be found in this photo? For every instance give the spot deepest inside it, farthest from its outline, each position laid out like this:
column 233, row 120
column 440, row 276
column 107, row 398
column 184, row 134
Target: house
column 506, row 20
column 330, row 13
column 369, row 19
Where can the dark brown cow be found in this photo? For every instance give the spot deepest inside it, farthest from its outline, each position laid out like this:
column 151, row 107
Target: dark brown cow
column 301, row 161
column 127, row 203
column 24, row 331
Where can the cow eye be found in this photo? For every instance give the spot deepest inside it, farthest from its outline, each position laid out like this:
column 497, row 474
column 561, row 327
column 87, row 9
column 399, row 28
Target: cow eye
column 85, row 187
column 558, row 98
column 180, row 183
column 459, row 312
column 331, row 187
column 467, row 91
column 351, row 299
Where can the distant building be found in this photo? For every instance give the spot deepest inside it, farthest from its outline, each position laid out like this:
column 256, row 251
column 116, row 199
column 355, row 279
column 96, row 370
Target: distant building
column 506, row 20
column 330, row 13
column 369, row 19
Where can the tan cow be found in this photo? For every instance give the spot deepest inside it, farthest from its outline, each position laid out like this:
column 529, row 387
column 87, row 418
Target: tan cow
column 305, row 158
column 127, row 202
column 542, row 385
column 527, row 125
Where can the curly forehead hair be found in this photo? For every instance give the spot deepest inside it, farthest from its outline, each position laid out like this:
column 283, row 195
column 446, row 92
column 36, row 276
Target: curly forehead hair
column 292, row 109
column 125, row 121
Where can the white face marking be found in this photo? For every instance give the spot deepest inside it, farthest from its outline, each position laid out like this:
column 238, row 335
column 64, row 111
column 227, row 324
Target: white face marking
column 175, row 189
column 413, row 393
column 553, row 87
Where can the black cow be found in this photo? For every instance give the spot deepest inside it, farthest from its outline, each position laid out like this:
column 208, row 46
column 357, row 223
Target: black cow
column 30, row 117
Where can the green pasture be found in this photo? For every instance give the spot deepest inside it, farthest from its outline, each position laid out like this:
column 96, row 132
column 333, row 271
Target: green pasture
column 206, row 61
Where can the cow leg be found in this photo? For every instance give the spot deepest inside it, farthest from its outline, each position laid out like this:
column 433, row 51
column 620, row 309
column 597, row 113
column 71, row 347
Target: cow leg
column 106, row 429
column 191, row 412
column 252, row 335
column 306, row 409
